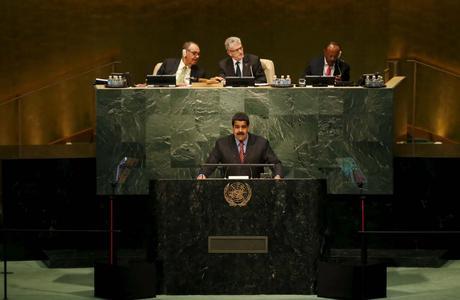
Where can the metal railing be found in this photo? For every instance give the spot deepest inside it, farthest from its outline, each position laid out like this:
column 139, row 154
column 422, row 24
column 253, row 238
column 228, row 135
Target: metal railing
column 57, row 82
column 22, row 100
column 416, row 63
column 436, row 68
column 422, row 121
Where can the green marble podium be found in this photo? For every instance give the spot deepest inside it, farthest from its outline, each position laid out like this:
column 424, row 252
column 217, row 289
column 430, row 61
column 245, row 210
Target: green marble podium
column 322, row 132
column 287, row 214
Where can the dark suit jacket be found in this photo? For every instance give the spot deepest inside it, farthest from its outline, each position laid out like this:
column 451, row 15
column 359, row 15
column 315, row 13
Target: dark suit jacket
column 250, row 63
column 170, row 65
column 258, row 151
column 316, row 67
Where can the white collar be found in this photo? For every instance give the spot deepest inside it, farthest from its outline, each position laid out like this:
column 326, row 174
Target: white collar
column 234, row 61
column 182, row 65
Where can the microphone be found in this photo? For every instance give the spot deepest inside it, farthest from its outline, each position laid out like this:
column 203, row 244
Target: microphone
column 337, row 62
column 359, row 178
column 350, row 169
column 124, row 168
column 250, row 68
column 119, row 167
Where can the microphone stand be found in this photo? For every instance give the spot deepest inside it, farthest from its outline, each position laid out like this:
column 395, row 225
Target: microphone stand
column 250, row 69
column 112, row 255
column 338, row 68
column 111, row 248
column 360, row 180
column 362, row 199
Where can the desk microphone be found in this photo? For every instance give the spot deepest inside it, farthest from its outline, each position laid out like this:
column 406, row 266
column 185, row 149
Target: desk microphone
column 337, row 62
column 359, row 178
column 250, row 68
column 121, row 165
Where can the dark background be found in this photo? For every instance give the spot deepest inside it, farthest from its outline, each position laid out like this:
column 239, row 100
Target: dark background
column 51, row 51
column 60, row 194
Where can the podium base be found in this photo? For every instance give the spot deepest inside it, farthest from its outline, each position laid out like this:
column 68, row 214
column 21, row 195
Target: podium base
column 130, row 281
column 342, row 281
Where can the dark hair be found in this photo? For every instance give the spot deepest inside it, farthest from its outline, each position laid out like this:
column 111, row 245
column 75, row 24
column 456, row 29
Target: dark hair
column 240, row 116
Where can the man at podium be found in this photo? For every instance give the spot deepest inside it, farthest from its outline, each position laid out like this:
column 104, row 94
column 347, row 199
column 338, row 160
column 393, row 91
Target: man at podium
column 242, row 147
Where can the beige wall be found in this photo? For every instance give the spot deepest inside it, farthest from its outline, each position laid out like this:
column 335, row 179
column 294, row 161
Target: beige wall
column 46, row 41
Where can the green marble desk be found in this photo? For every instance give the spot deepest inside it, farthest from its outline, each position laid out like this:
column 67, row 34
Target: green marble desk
column 288, row 213
column 321, row 132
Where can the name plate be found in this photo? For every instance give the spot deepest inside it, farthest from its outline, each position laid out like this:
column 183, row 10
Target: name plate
column 237, row 244
column 238, row 177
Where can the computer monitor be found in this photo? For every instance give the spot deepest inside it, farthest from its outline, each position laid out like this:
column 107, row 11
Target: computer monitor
column 239, row 81
column 161, row 80
column 318, row 80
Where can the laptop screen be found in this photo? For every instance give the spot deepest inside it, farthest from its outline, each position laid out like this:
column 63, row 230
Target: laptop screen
column 239, row 81
column 317, row 80
column 161, row 80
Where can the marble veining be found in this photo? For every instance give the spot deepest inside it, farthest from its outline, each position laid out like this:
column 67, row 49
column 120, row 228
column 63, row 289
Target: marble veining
column 312, row 130
column 288, row 212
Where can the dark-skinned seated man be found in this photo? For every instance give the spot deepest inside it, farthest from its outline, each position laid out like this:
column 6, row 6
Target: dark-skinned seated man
column 242, row 147
column 329, row 64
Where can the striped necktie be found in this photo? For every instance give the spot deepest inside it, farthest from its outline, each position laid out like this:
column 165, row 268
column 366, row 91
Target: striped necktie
column 181, row 77
column 241, row 152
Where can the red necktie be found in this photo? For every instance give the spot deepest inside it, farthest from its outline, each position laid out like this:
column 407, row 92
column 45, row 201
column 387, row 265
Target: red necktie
column 328, row 70
column 241, row 152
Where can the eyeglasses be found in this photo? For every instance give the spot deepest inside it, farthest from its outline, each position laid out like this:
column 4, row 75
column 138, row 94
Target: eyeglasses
column 194, row 53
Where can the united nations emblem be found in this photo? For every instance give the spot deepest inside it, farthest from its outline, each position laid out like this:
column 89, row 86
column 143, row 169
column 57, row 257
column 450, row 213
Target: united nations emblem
column 237, row 193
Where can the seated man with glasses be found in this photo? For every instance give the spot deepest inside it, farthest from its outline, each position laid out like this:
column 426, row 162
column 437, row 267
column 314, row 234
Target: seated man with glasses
column 240, row 64
column 186, row 68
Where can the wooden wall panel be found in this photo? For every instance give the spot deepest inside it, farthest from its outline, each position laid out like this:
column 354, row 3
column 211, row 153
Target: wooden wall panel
column 48, row 41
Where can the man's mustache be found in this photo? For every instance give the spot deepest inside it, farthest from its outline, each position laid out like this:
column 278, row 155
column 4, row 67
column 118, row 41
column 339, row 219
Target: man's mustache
column 240, row 133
